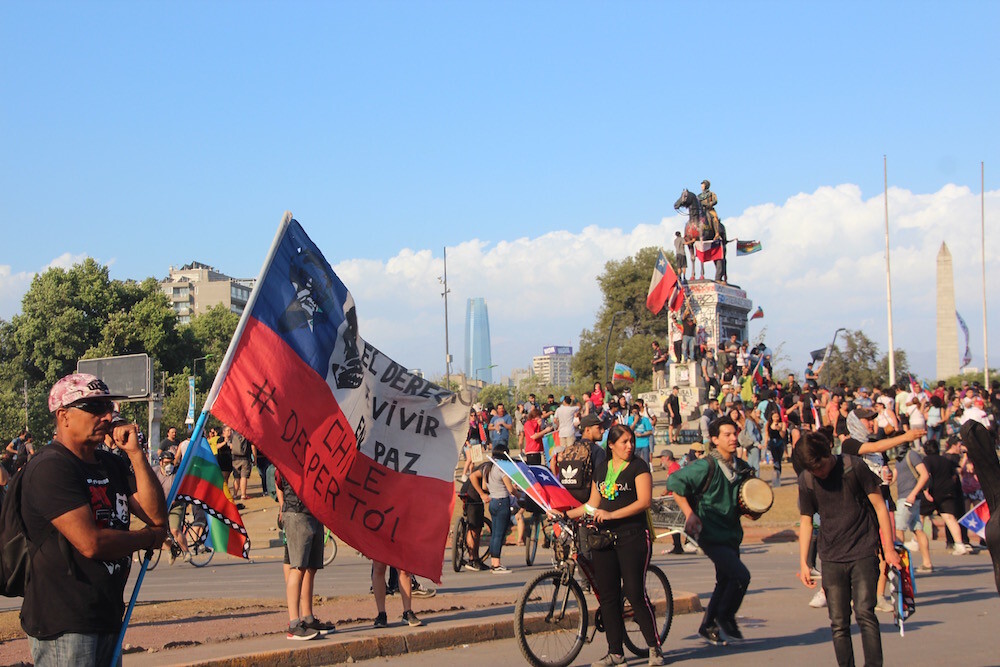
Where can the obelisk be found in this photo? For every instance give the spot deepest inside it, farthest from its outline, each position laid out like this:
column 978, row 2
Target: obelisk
column 947, row 323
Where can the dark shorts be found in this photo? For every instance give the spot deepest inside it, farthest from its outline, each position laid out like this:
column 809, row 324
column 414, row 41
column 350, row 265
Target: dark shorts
column 242, row 467
column 304, row 538
column 682, row 261
column 953, row 506
column 475, row 514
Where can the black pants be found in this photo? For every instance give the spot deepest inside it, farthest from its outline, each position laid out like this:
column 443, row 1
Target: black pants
column 983, row 454
column 844, row 583
column 732, row 578
column 623, row 568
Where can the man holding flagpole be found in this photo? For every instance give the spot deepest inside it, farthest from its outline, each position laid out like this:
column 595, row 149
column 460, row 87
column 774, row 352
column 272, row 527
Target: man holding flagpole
column 77, row 504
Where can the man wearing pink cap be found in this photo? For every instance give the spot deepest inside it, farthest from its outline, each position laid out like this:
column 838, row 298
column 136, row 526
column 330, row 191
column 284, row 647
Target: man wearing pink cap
column 77, row 502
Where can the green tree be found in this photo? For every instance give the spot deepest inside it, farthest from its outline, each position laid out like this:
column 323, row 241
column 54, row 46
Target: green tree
column 858, row 362
column 495, row 393
column 624, row 285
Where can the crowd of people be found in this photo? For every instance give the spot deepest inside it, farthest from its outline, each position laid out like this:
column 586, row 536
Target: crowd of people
column 85, row 486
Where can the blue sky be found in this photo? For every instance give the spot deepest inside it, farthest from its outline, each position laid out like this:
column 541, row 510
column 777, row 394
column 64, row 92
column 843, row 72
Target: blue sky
column 152, row 134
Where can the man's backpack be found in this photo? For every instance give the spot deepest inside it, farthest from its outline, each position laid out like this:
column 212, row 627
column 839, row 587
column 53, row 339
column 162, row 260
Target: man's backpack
column 239, row 445
column 576, row 466
column 16, row 550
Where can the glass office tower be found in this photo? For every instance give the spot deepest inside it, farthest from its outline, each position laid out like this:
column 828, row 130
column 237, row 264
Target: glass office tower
column 477, row 341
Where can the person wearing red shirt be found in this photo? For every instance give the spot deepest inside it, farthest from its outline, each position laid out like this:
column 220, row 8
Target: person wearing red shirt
column 533, row 435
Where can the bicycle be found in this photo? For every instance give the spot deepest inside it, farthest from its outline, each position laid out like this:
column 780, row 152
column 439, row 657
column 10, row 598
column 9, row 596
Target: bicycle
column 551, row 620
column 461, row 555
column 329, row 546
column 535, row 527
column 195, row 535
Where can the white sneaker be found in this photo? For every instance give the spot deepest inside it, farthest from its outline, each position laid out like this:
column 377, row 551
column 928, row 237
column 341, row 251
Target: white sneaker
column 819, row 600
column 815, row 574
column 961, row 550
column 690, row 548
column 911, row 545
column 464, row 478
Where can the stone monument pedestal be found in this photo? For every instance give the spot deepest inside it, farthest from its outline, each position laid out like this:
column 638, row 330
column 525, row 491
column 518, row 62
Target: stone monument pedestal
column 720, row 311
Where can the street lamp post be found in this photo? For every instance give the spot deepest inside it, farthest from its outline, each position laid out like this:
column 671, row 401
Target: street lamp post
column 484, row 368
column 608, row 344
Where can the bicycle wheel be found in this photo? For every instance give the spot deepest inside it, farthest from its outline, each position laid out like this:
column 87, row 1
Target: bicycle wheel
column 550, row 620
column 484, row 540
column 534, row 527
column 458, row 544
column 661, row 598
column 196, row 536
column 329, row 547
column 154, row 559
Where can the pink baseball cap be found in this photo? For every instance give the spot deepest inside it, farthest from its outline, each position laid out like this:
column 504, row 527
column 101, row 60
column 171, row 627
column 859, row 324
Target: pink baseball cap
column 78, row 387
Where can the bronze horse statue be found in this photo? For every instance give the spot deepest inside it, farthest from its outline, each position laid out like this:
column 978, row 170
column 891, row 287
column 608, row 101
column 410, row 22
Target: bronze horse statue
column 698, row 228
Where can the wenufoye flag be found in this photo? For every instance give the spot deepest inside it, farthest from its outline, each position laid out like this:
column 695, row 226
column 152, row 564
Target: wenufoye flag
column 204, row 486
column 368, row 446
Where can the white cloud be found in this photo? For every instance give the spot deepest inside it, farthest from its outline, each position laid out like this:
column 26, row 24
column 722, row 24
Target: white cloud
column 14, row 285
column 822, row 267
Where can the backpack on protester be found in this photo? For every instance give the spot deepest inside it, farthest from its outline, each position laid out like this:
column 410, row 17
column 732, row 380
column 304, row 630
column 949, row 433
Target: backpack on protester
column 576, row 467
column 239, row 445
column 16, row 550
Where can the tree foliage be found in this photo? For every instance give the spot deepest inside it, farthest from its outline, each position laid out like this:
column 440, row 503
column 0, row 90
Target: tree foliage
column 80, row 312
column 858, row 362
column 624, row 285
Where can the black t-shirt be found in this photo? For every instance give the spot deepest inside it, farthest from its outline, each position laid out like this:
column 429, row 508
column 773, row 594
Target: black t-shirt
column 292, row 502
column 79, row 595
column 944, row 477
column 847, row 528
column 626, row 492
column 167, row 443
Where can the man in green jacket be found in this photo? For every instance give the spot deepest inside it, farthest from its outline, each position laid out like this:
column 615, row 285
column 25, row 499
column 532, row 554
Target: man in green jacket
column 707, row 492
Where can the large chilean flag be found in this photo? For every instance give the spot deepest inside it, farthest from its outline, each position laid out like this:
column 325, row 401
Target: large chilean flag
column 664, row 287
column 368, row 446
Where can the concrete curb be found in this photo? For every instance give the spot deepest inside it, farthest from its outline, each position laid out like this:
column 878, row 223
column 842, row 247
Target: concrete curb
column 331, row 651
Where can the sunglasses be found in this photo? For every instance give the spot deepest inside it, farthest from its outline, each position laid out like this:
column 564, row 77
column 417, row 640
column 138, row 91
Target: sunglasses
column 94, row 407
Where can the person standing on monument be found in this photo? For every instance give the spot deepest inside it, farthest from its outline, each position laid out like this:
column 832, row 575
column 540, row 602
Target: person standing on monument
column 681, row 257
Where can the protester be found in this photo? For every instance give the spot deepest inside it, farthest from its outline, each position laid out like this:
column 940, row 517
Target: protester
column 72, row 611
column 706, row 493
column 621, row 492
column 500, row 428
column 534, row 434
column 841, row 489
column 499, row 489
column 304, row 556
column 405, row 596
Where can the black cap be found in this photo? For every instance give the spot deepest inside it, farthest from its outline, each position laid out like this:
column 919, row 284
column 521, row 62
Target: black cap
column 589, row 420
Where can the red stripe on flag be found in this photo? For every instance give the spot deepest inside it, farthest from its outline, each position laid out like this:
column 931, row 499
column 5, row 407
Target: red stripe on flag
column 271, row 396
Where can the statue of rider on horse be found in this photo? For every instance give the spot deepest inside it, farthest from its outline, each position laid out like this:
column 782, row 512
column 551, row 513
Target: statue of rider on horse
column 703, row 225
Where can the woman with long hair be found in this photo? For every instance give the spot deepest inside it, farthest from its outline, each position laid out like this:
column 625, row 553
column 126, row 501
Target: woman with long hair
column 620, row 494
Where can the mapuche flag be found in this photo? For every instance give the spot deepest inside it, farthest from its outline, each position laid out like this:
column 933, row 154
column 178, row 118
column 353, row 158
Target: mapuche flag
column 368, row 446
column 203, row 485
column 664, row 288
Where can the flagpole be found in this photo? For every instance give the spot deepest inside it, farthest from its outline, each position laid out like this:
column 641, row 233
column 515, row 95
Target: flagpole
column 286, row 219
column 185, row 464
column 982, row 247
column 200, row 424
column 888, row 279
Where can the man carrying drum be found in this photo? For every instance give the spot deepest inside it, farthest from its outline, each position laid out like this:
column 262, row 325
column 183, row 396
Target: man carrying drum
column 708, row 492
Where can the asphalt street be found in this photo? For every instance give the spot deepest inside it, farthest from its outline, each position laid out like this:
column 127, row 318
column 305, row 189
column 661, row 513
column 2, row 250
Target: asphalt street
column 955, row 621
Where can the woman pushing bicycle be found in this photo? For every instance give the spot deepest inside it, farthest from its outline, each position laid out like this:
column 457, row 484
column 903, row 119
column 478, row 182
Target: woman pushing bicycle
column 621, row 492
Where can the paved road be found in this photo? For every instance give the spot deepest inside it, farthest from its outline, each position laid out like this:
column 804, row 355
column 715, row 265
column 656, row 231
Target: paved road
column 955, row 622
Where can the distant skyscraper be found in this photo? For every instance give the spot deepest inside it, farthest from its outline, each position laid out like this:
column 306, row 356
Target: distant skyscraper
column 947, row 324
column 478, row 357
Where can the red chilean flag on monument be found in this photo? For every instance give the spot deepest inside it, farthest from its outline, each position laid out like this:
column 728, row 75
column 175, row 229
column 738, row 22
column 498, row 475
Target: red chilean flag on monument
column 368, row 446
column 664, row 287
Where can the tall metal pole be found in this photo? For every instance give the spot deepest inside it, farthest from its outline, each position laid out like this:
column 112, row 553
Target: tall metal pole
column 608, row 344
column 888, row 279
column 982, row 248
column 25, row 405
column 447, row 353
